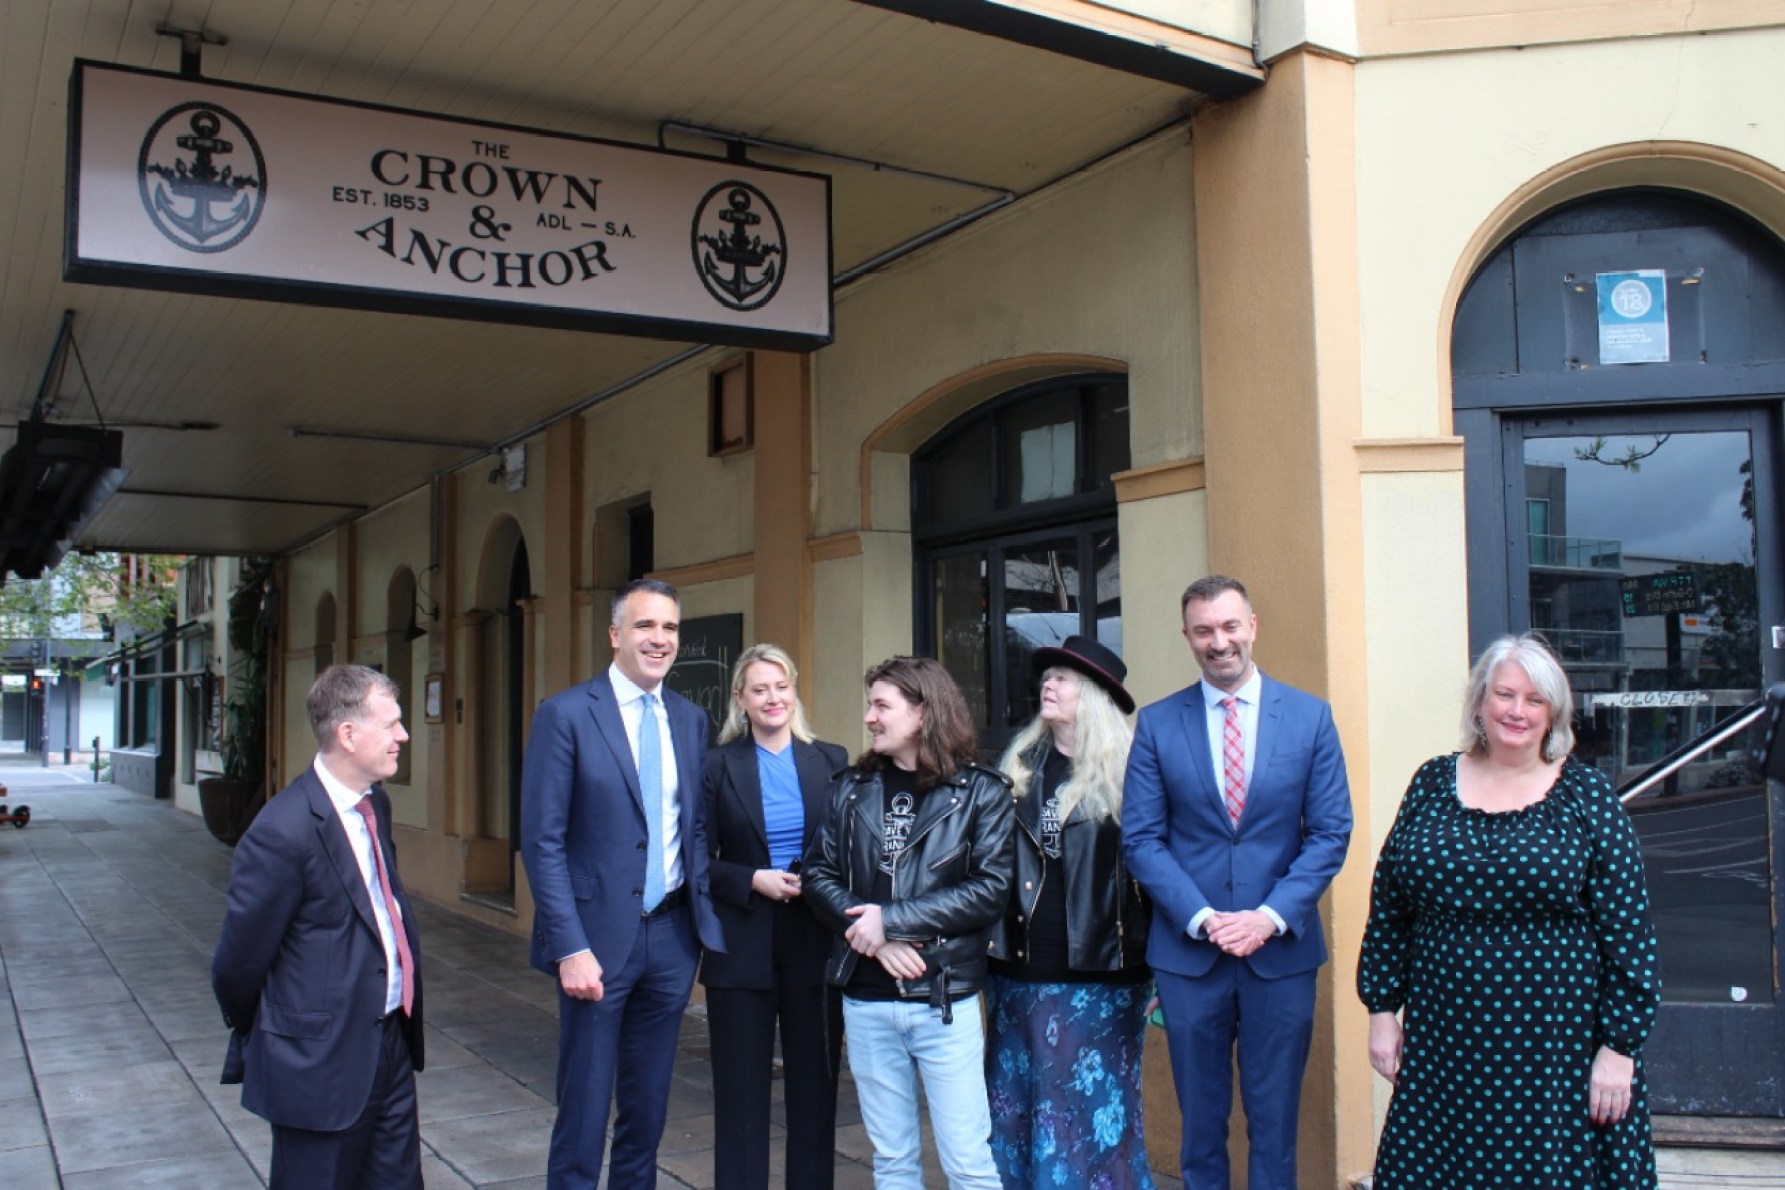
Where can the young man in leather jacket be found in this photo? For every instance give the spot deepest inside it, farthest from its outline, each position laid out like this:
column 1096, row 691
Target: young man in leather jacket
column 911, row 868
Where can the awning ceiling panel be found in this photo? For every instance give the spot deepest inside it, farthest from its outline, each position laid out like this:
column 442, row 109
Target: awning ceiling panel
column 830, row 75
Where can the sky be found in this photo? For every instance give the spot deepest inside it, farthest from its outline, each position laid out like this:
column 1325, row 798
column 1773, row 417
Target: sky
column 1683, row 502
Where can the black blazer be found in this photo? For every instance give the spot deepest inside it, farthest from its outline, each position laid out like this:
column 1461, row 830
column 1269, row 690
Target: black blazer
column 738, row 842
column 299, row 965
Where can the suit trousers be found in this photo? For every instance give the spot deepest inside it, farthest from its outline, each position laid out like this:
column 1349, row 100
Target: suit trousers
column 380, row 1151
column 1273, row 1023
column 622, row 1049
column 741, row 1024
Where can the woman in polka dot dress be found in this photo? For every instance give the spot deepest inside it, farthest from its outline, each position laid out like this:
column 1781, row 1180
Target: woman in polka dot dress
column 1509, row 966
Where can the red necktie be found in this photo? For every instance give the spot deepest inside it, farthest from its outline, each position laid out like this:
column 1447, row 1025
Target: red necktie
column 1233, row 759
column 364, row 806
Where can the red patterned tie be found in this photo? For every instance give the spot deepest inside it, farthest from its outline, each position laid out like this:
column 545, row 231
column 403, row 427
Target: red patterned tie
column 364, row 806
column 1233, row 759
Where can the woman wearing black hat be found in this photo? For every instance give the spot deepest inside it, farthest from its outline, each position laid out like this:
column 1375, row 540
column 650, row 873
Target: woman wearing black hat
column 1069, row 983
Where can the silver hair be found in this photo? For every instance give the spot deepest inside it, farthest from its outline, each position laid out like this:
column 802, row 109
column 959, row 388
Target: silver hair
column 1532, row 654
column 736, row 722
column 339, row 694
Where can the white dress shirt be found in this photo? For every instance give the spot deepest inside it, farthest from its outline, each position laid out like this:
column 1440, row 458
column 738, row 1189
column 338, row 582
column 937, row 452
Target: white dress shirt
column 631, row 699
column 359, row 838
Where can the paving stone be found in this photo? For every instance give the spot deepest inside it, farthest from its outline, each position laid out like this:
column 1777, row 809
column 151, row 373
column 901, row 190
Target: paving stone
column 478, row 1090
column 98, row 1049
column 223, row 1167
column 28, row 1169
column 146, row 1132
column 71, row 992
column 21, row 1120
column 38, row 1024
column 488, row 1149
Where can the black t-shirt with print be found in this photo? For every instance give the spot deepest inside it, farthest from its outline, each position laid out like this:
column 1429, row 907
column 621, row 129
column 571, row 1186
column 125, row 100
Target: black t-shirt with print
column 898, row 812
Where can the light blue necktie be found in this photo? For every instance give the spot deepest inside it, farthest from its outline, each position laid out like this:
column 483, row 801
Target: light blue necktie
column 650, row 784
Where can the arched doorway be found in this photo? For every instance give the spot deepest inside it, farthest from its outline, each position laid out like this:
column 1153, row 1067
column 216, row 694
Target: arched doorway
column 1013, row 526
column 505, row 588
column 1618, row 367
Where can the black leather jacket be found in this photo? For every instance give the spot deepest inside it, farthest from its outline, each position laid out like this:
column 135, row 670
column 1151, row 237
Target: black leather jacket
column 1106, row 912
column 950, row 886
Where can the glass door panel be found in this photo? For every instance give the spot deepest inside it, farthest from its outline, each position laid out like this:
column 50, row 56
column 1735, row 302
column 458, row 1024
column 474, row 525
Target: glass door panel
column 1644, row 581
column 1041, row 607
column 962, row 599
column 1649, row 552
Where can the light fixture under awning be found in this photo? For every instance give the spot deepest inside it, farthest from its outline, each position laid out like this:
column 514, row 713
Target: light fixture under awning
column 52, row 482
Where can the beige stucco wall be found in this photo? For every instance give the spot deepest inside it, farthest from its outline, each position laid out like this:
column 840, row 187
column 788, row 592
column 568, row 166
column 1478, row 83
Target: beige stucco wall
column 389, row 538
column 654, row 439
column 1453, row 153
column 1165, row 545
column 310, row 574
column 1102, row 264
column 1444, row 141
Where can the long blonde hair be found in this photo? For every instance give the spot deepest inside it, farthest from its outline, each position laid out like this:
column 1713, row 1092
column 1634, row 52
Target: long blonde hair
column 1101, row 737
column 736, row 722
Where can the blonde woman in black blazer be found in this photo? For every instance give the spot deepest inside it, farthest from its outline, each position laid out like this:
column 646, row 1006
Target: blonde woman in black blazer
column 775, row 950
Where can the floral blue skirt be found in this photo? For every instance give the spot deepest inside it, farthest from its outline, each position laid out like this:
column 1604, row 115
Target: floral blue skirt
column 1062, row 1071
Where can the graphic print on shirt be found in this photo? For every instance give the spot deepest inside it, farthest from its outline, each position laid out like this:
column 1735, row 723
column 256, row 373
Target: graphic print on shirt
column 1050, row 826
column 895, row 835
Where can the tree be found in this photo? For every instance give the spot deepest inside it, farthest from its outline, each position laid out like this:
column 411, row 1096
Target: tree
column 90, row 594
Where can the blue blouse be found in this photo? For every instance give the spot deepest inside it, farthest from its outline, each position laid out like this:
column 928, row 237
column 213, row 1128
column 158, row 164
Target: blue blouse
column 783, row 809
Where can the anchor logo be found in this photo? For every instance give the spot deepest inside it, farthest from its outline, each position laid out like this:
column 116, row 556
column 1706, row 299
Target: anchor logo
column 195, row 203
column 741, row 267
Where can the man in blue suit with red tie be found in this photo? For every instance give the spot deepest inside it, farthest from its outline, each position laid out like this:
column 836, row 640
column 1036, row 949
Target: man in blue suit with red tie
column 616, row 853
column 1235, row 817
column 318, row 965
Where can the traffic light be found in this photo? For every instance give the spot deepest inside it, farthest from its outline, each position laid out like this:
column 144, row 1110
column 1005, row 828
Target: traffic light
column 36, row 684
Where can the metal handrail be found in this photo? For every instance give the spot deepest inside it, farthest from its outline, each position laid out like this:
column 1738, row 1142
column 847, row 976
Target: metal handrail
column 1680, row 758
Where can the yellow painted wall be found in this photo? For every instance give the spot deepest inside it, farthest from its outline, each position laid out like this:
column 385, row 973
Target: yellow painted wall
column 310, row 574
column 391, row 537
column 654, row 439
column 1453, row 154
column 1102, row 265
column 1442, row 142
column 1165, row 546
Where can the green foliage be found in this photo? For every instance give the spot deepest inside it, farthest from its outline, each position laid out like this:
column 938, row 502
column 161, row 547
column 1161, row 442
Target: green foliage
column 245, row 710
column 103, row 590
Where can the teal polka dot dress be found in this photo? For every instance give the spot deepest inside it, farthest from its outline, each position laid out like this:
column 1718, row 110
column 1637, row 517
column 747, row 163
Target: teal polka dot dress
column 1515, row 944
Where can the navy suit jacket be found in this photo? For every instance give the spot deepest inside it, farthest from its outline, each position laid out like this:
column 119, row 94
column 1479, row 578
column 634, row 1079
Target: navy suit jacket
column 583, row 825
column 299, row 968
column 1288, row 846
column 738, row 839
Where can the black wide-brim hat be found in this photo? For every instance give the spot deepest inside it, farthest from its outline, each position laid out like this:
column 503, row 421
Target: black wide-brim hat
column 1096, row 662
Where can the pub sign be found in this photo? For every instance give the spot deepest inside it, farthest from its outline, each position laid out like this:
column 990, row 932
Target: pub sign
column 205, row 187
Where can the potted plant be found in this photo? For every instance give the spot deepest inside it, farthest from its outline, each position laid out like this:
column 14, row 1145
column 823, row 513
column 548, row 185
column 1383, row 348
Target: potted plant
column 230, row 802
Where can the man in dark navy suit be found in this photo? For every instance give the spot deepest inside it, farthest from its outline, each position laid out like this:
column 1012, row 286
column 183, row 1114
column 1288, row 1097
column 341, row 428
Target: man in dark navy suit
column 613, row 838
column 1235, row 817
column 318, row 967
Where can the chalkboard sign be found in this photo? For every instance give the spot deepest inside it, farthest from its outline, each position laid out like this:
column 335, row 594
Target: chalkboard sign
column 1661, row 594
column 702, row 672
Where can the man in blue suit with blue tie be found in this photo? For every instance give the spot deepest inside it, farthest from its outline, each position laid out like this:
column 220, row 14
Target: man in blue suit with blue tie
column 1235, row 818
column 616, row 854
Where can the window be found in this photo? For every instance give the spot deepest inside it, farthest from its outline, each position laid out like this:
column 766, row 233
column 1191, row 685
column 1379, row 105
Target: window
column 1014, row 524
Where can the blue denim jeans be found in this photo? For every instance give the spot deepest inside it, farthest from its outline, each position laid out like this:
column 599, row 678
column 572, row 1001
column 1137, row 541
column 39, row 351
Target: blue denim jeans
column 890, row 1045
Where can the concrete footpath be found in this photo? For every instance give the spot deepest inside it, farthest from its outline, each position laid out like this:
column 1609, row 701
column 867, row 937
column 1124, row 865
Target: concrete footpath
column 111, row 1043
